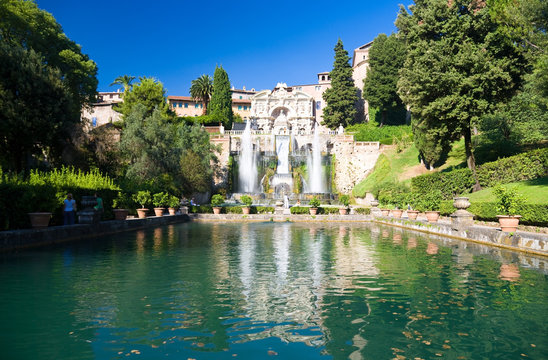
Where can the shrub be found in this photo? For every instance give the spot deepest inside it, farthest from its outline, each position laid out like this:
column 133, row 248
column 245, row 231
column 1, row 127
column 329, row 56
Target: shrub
column 262, row 209
column 299, row 210
column 328, row 210
column 428, row 202
column 233, row 209
column 201, row 209
column 450, row 184
column 122, row 201
column 217, row 200
column 531, row 214
column 508, row 200
column 247, row 200
column 173, row 202
column 142, row 197
column 314, row 202
column 345, row 200
column 362, row 210
column 160, row 199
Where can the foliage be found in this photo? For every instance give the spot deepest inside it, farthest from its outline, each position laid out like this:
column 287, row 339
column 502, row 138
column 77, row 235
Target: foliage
column 314, row 202
column 201, row 90
column 535, row 191
column 508, row 200
column 450, row 184
column 142, row 197
column 392, row 193
column 125, row 81
column 122, row 201
column 160, row 199
column 202, row 209
column 173, row 201
column 149, row 93
column 386, row 58
column 430, row 201
column 531, row 214
column 247, row 200
column 217, row 200
column 220, row 105
column 362, row 210
column 342, row 96
column 372, row 132
column 299, row 210
column 344, row 200
column 458, row 68
column 252, row 209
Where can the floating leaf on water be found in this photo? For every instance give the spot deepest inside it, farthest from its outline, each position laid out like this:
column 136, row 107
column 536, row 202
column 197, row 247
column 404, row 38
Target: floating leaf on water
column 407, row 334
column 426, row 342
column 439, row 354
column 462, row 334
column 445, row 346
column 397, row 350
column 272, row 353
column 200, row 344
column 533, row 345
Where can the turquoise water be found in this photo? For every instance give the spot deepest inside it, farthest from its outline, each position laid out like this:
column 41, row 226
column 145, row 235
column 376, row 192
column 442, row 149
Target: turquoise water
column 271, row 290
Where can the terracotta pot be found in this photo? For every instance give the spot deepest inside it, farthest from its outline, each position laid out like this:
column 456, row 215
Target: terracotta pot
column 313, row 211
column 397, row 213
column 172, row 211
column 216, row 210
column 385, row 212
column 432, row 216
column 120, row 214
column 245, row 210
column 343, row 211
column 159, row 211
column 412, row 214
column 508, row 223
column 39, row 220
column 142, row 213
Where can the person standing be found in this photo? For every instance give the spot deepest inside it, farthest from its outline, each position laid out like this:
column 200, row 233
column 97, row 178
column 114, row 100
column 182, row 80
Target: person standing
column 69, row 209
column 99, row 207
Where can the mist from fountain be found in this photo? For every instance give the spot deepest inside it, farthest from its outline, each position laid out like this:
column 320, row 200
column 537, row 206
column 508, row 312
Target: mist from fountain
column 314, row 162
column 247, row 170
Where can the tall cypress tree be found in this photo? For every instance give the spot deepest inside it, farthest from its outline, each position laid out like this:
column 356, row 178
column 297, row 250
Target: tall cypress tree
column 220, row 106
column 342, row 97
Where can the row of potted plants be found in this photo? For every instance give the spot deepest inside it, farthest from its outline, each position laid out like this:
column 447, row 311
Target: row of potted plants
column 160, row 201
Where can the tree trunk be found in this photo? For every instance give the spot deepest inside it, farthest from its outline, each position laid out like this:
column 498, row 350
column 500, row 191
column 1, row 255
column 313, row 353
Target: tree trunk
column 383, row 118
column 470, row 160
column 204, row 111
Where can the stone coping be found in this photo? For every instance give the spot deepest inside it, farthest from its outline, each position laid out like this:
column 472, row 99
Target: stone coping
column 280, row 218
column 28, row 238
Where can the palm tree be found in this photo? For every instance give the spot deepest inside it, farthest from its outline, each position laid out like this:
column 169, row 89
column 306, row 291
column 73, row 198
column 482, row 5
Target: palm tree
column 201, row 90
column 124, row 80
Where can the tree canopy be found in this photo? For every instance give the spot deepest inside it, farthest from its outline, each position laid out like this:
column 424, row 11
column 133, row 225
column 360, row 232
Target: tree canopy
column 125, row 81
column 220, row 105
column 342, row 97
column 148, row 92
column 458, row 67
column 201, row 90
column 386, row 57
column 45, row 81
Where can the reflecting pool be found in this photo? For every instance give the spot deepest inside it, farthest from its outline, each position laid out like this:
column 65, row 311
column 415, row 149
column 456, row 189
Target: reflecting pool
column 273, row 290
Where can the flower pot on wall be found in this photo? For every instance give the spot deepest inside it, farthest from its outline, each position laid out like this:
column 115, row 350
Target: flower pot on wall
column 313, row 211
column 397, row 213
column 159, row 211
column 343, row 211
column 39, row 220
column 216, row 210
column 432, row 216
column 385, row 212
column 412, row 214
column 245, row 210
column 508, row 223
column 120, row 214
column 142, row 213
column 172, row 211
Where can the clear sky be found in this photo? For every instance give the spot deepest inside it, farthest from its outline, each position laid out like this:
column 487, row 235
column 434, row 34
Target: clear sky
column 258, row 43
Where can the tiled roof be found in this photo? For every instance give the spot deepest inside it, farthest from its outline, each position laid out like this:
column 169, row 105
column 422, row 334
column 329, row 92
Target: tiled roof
column 241, row 101
column 187, row 98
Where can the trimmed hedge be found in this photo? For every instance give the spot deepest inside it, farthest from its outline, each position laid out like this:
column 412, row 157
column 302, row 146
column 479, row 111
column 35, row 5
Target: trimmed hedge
column 362, row 210
column 525, row 166
column 252, row 210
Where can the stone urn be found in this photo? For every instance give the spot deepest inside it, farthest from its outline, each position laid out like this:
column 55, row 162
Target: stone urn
column 508, row 223
column 461, row 203
column 461, row 218
column 172, row 211
column 432, row 216
column 412, row 214
column 88, row 215
column 39, row 220
column 216, row 210
column 313, row 211
column 396, row 213
column 374, row 203
column 245, row 210
column 159, row 211
column 142, row 213
column 120, row 214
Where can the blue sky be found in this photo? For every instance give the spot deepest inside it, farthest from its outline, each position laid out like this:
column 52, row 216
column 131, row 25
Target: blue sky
column 259, row 43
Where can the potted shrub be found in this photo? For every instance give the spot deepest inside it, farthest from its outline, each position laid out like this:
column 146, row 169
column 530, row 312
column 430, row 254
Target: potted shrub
column 173, row 203
column 412, row 214
column 385, row 209
column 345, row 201
column 508, row 201
column 247, row 200
column 39, row 220
column 121, row 206
column 430, row 204
column 142, row 198
column 160, row 200
column 216, row 201
column 314, row 205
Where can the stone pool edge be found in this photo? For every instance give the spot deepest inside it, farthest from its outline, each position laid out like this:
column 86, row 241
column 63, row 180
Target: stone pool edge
column 13, row 240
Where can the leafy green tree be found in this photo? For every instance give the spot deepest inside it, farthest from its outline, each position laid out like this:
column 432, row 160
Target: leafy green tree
column 342, row 97
column 150, row 93
column 48, row 83
column 386, row 58
column 458, row 67
column 124, row 81
column 201, row 90
column 220, row 105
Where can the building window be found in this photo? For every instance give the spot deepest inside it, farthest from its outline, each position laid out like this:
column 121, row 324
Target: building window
column 94, row 121
column 240, row 96
column 245, row 107
column 186, row 105
column 180, row 104
column 196, row 106
column 318, row 105
column 201, row 106
column 317, row 88
column 323, row 77
column 239, row 107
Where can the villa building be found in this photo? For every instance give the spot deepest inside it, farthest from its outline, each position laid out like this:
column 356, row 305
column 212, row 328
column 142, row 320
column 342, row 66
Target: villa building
column 102, row 112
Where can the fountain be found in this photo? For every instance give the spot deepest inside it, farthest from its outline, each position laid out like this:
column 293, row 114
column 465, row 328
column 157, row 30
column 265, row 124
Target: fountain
column 248, row 164
column 314, row 162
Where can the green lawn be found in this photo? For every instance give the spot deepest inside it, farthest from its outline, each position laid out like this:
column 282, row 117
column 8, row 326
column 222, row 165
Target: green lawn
column 535, row 192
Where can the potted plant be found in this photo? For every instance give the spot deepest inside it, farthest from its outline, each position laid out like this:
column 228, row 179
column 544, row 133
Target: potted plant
column 385, row 209
column 39, row 220
column 142, row 198
column 314, row 204
column 120, row 205
column 508, row 201
column 173, row 203
column 160, row 201
column 247, row 200
column 216, row 201
column 430, row 204
column 412, row 214
column 345, row 201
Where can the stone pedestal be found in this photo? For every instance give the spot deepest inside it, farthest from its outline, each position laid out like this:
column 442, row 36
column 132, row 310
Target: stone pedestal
column 461, row 218
column 375, row 211
column 88, row 215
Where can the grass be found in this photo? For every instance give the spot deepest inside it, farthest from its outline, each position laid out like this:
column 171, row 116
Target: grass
column 534, row 191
